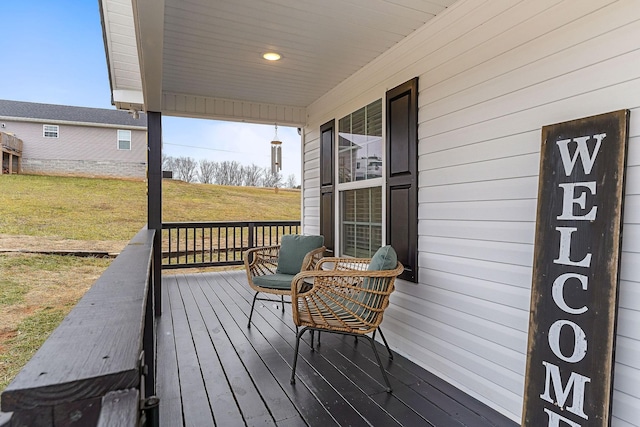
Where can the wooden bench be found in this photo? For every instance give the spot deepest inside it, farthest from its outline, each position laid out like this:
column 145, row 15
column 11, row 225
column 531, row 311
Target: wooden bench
column 91, row 370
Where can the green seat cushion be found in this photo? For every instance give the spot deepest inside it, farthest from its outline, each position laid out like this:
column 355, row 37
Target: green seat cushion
column 274, row 281
column 293, row 248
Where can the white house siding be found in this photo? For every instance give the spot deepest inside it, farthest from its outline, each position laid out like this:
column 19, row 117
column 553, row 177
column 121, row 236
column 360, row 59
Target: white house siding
column 79, row 149
column 491, row 75
column 311, row 180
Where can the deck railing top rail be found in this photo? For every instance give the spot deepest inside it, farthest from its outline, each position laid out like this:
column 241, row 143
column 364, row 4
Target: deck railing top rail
column 95, row 351
column 218, row 243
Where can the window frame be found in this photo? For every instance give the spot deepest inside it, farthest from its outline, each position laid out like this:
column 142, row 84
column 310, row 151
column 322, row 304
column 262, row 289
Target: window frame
column 119, row 140
column 341, row 187
column 400, row 179
column 342, row 222
column 45, row 131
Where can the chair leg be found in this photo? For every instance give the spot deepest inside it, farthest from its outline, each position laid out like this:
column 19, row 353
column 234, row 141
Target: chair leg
column 375, row 351
column 251, row 312
column 282, row 297
column 385, row 342
column 312, row 339
column 295, row 354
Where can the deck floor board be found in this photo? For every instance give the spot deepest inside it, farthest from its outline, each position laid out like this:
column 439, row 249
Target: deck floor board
column 213, row 370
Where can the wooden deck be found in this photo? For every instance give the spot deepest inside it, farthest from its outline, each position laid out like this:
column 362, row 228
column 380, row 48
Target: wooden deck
column 213, row 370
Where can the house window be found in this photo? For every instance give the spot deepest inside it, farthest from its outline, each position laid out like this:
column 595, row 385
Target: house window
column 361, row 222
column 124, row 140
column 360, row 146
column 50, row 131
column 365, row 165
column 360, row 181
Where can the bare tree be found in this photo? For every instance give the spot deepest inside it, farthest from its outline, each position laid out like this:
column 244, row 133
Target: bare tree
column 235, row 173
column 228, row 173
column 221, row 175
column 270, row 179
column 207, row 170
column 291, row 181
column 252, row 175
column 168, row 163
column 186, row 168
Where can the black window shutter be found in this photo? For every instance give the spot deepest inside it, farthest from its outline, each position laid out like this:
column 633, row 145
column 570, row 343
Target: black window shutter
column 402, row 175
column 327, row 187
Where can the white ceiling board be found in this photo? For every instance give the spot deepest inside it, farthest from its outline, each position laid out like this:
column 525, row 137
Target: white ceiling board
column 211, row 49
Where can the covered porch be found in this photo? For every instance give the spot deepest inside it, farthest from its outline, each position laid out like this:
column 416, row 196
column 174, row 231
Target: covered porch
column 199, row 364
column 213, row 370
column 488, row 77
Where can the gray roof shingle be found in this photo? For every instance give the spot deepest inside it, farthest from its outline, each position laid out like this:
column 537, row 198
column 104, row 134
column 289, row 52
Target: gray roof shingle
column 32, row 110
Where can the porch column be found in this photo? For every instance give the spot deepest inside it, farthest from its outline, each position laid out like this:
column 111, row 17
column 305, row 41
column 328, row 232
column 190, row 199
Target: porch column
column 154, row 199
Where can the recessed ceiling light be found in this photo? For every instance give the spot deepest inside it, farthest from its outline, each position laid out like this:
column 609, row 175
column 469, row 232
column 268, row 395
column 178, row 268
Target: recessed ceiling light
column 271, row 56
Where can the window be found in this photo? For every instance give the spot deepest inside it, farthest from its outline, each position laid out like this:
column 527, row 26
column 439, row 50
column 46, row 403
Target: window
column 360, row 181
column 361, row 222
column 360, row 150
column 368, row 162
column 50, row 131
column 124, row 140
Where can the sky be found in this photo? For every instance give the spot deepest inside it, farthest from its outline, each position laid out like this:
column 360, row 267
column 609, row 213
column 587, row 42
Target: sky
column 52, row 52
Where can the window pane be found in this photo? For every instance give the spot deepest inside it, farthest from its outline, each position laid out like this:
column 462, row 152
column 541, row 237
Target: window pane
column 361, row 222
column 50, row 131
column 124, row 140
column 360, row 144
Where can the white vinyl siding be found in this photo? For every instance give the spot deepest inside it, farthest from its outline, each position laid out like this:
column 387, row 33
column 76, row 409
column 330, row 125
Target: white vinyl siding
column 50, row 131
column 124, row 140
column 491, row 75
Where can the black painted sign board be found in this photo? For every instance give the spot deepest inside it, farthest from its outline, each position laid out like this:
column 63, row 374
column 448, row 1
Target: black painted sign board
column 574, row 294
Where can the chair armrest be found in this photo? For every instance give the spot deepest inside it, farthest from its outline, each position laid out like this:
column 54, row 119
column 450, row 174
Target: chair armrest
column 312, row 259
column 262, row 260
column 343, row 278
column 343, row 264
column 358, row 296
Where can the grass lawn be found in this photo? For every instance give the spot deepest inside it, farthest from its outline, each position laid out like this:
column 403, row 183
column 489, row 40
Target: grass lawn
column 37, row 291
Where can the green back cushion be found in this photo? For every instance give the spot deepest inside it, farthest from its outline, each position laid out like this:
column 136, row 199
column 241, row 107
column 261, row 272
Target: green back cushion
column 293, row 248
column 385, row 258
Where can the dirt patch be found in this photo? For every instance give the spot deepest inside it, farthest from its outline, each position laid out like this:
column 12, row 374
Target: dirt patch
column 37, row 243
column 4, row 337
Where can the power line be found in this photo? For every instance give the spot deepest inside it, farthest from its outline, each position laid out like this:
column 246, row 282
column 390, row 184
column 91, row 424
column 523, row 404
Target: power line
column 205, row 148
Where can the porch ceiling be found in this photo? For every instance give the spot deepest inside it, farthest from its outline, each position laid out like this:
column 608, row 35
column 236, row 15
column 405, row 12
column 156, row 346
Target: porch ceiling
column 203, row 58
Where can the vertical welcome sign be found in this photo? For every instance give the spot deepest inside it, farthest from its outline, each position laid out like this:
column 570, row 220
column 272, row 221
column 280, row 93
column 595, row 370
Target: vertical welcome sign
column 575, row 273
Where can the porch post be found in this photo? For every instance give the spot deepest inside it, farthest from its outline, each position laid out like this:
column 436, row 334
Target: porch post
column 154, row 199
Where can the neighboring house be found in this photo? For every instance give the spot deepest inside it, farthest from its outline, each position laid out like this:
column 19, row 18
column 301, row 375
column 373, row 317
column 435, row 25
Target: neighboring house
column 67, row 140
column 489, row 76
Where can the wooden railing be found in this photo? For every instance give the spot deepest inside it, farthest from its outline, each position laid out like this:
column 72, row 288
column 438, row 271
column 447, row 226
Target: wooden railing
column 210, row 244
column 97, row 367
column 10, row 143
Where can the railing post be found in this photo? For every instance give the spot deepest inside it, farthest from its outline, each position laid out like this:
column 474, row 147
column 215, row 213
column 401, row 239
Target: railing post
column 252, row 236
column 154, row 199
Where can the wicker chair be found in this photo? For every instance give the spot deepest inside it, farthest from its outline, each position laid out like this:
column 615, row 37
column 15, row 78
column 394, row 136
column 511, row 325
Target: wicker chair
column 271, row 269
column 347, row 296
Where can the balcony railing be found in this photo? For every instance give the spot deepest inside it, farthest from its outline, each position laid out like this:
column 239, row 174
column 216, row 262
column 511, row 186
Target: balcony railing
column 98, row 366
column 212, row 244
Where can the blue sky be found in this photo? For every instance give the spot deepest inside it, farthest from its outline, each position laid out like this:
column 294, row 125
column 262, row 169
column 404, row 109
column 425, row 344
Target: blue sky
column 52, row 52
